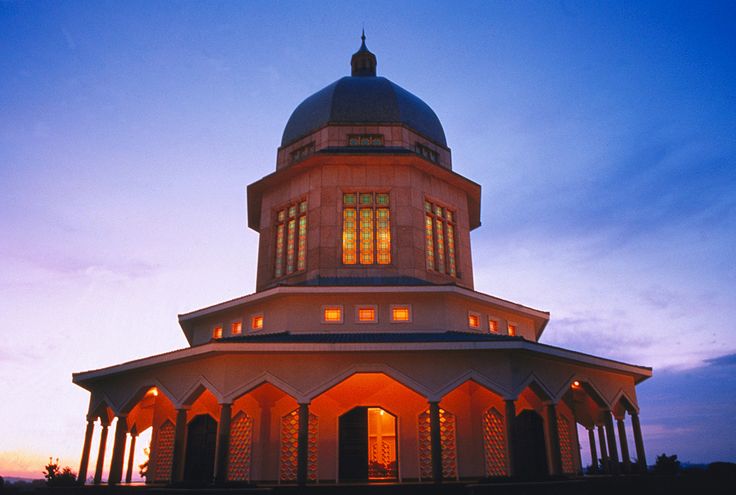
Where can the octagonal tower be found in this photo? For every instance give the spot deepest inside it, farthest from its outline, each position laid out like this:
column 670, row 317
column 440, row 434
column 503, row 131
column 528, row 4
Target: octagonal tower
column 364, row 193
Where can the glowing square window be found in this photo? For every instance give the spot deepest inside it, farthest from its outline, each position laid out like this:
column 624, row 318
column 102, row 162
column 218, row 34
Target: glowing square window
column 366, row 314
column 217, row 332
column 332, row 314
column 348, row 199
column 256, row 322
column 473, row 320
column 236, row 327
column 492, row 325
column 400, row 313
column 512, row 329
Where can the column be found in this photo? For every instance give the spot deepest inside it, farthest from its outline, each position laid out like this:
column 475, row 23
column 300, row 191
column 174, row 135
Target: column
column 554, row 439
column 118, row 451
column 611, row 437
column 624, row 444
column 101, row 451
column 436, row 441
column 82, row 476
column 604, row 451
column 641, row 457
column 510, row 417
column 303, row 444
column 131, row 455
column 223, row 443
column 593, row 451
column 180, row 446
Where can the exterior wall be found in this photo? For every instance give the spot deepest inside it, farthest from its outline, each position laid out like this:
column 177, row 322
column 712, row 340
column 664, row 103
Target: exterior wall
column 323, row 187
column 302, row 313
column 335, row 136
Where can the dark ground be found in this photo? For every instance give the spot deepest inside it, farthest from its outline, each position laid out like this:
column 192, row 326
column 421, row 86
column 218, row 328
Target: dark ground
column 693, row 482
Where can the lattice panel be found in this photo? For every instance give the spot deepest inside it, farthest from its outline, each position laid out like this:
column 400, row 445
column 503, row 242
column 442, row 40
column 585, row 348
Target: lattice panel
column 381, row 463
column 448, row 439
column 563, row 429
column 241, row 447
column 290, row 447
column 494, row 443
column 164, row 452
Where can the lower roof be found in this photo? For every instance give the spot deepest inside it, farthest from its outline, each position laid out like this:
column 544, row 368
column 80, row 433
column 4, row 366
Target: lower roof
column 368, row 342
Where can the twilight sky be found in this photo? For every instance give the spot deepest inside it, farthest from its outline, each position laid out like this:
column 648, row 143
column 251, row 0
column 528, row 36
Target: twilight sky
column 603, row 135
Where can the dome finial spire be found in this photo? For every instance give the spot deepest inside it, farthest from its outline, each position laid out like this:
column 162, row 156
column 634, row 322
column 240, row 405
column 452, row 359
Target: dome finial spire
column 363, row 63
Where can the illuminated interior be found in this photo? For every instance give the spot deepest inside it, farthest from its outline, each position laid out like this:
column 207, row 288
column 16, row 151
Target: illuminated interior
column 236, row 328
column 367, row 314
column 512, row 330
column 217, row 332
column 400, row 313
column 366, row 229
column 332, row 314
column 473, row 320
column 257, row 322
column 381, row 444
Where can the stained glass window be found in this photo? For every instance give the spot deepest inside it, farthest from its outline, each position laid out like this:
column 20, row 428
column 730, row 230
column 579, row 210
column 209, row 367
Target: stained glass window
column 439, row 233
column 366, row 229
column 383, row 236
column 301, row 257
column 348, row 236
column 366, row 236
column 291, row 239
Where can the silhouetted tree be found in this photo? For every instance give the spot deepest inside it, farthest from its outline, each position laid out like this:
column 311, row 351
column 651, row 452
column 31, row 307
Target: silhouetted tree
column 56, row 476
column 666, row 464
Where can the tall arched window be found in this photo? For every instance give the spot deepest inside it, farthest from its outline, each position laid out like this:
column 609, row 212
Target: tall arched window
column 291, row 239
column 366, row 229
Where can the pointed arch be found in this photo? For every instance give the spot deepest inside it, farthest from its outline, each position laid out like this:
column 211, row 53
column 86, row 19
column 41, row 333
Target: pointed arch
column 194, row 391
column 588, row 385
column 623, row 398
column 390, row 372
column 265, row 377
column 475, row 376
column 537, row 385
column 101, row 403
column 136, row 396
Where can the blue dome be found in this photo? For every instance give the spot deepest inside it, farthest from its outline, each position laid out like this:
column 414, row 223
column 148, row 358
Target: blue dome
column 363, row 101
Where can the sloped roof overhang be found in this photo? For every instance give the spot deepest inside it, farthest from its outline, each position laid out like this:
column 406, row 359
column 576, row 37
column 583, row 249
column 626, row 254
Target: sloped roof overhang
column 541, row 318
column 87, row 378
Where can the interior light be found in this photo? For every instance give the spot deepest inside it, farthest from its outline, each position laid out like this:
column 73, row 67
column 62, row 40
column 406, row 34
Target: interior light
column 576, row 384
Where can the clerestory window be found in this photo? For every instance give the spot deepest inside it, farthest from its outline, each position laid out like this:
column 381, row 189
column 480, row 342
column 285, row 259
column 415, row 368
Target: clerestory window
column 439, row 234
column 291, row 239
column 366, row 229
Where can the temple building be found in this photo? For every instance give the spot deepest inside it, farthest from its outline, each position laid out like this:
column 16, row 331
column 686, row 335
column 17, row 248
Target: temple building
column 365, row 352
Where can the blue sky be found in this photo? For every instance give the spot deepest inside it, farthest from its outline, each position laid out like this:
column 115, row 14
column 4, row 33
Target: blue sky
column 602, row 134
